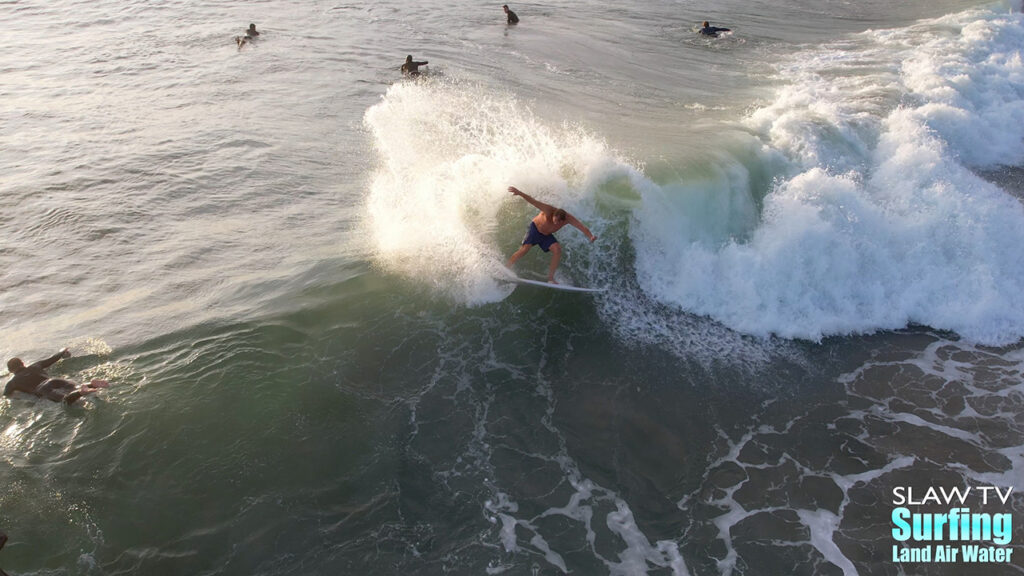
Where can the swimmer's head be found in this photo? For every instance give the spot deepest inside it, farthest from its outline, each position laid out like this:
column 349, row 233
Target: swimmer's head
column 706, row 24
column 505, row 7
column 14, row 364
column 252, row 26
column 408, row 58
column 560, row 215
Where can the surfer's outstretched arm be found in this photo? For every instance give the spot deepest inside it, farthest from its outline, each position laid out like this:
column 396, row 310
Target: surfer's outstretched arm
column 545, row 208
column 53, row 359
column 582, row 227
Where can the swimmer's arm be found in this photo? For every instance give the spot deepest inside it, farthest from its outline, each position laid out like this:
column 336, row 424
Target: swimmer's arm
column 9, row 389
column 545, row 208
column 582, row 227
column 53, row 359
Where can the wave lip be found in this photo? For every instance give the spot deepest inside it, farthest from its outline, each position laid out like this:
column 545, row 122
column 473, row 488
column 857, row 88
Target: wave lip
column 438, row 202
column 878, row 220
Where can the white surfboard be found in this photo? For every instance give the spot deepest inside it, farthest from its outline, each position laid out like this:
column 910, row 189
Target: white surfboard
column 564, row 287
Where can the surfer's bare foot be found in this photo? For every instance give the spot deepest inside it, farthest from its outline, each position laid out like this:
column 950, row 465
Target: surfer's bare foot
column 552, row 281
column 99, row 384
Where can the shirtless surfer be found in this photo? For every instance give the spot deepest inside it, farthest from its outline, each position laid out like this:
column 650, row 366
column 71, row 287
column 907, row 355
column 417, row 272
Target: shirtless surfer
column 33, row 379
column 542, row 229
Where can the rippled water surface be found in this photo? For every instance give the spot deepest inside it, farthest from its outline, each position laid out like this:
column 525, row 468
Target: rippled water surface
column 286, row 259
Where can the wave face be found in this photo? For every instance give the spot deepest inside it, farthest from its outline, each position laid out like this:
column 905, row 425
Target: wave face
column 876, row 218
column 849, row 202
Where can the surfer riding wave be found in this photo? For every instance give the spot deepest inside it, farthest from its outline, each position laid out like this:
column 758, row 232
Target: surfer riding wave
column 541, row 232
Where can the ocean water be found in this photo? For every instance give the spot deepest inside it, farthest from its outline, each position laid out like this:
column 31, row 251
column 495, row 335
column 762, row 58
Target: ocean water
column 284, row 258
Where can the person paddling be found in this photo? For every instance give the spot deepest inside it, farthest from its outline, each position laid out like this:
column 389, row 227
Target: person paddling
column 412, row 68
column 709, row 30
column 34, row 380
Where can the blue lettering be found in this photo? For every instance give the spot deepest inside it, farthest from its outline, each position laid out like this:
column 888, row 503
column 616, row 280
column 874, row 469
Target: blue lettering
column 902, row 530
column 1002, row 528
column 922, row 527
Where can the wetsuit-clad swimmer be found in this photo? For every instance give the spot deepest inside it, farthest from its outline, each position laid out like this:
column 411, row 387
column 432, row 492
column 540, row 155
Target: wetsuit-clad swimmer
column 512, row 18
column 33, row 379
column 250, row 35
column 411, row 68
column 542, row 232
column 709, row 30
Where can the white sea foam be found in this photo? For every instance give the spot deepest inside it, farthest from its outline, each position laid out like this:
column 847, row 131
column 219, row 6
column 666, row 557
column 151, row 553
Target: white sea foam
column 822, row 525
column 448, row 152
column 439, row 212
column 959, row 363
column 877, row 221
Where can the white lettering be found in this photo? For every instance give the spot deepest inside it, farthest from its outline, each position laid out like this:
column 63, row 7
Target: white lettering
column 898, row 498
column 962, row 496
column 1004, row 497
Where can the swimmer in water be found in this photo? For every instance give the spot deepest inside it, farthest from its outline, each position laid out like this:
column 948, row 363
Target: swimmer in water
column 411, row 68
column 3, row 540
column 34, row 380
column 709, row 30
column 250, row 35
column 512, row 18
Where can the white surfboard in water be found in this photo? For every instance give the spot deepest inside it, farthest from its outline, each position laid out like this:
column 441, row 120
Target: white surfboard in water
column 564, row 287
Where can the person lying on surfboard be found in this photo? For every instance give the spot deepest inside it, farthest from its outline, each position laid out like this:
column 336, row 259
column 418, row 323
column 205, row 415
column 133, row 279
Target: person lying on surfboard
column 541, row 232
column 709, row 30
column 33, row 379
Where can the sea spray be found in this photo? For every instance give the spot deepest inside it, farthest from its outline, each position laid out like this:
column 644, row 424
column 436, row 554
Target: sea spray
column 878, row 221
column 448, row 152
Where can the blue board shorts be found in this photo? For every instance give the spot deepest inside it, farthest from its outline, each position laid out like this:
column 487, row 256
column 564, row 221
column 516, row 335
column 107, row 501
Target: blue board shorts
column 533, row 236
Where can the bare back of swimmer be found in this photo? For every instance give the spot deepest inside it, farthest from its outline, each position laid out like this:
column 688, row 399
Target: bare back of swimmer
column 34, row 380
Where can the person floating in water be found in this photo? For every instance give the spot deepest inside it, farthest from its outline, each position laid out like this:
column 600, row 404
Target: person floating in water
column 411, row 68
column 250, row 35
column 3, row 540
column 512, row 18
column 709, row 30
column 33, row 379
column 542, row 229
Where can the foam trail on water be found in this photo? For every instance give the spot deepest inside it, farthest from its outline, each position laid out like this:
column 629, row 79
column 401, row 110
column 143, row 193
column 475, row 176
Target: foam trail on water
column 877, row 219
